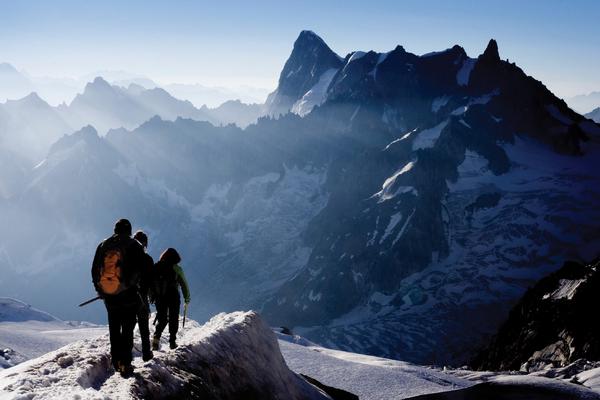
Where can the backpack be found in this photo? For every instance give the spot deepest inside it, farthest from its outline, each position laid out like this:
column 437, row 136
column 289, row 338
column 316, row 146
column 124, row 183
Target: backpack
column 111, row 270
column 165, row 279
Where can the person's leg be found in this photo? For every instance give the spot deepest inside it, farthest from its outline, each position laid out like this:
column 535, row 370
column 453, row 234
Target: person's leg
column 114, row 332
column 128, row 325
column 162, row 312
column 174, row 305
column 142, row 317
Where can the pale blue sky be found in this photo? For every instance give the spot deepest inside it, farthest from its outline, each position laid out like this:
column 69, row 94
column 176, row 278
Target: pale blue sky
column 231, row 43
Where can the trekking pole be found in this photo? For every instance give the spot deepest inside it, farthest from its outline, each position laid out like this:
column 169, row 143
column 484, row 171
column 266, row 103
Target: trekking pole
column 184, row 314
column 90, row 301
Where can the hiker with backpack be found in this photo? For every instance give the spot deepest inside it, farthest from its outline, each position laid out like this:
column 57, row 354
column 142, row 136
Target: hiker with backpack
column 168, row 278
column 145, row 281
column 115, row 274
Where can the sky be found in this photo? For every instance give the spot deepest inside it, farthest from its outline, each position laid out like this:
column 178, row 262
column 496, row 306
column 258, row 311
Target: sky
column 234, row 43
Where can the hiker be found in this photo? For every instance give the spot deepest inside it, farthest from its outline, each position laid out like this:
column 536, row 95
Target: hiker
column 168, row 277
column 143, row 313
column 115, row 274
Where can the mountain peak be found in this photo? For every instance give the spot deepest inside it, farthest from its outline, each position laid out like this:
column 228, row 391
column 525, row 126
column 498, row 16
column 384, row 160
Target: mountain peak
column 310, row 41
column 87, row 134
column 309, row 36
column 491, row 52
column 310, row 58
column 32, row 99
column 98, row 82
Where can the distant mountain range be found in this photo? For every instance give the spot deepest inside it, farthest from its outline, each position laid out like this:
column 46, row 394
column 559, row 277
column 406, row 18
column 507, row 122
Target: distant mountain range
column 585, row 102
column 15, row 84
column 399, row 209
column 595, row 115
column 28, row 126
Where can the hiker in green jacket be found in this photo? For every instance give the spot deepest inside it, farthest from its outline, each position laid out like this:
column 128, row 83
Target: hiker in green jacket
column 168, row 277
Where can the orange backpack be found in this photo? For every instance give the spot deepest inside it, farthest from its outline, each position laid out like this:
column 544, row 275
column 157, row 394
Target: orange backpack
column 110, row 272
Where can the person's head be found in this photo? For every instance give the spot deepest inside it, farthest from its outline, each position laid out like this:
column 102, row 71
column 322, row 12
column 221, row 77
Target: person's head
column 123, row 227
column 141, row 237
column 170, row 256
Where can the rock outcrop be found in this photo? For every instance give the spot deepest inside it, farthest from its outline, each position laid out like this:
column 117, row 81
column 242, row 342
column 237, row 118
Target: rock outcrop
column 552, row 326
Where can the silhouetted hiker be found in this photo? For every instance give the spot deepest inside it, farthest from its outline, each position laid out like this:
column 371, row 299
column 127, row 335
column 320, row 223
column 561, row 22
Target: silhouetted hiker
column 168, row 277
column 115, row 273
column 143, row 313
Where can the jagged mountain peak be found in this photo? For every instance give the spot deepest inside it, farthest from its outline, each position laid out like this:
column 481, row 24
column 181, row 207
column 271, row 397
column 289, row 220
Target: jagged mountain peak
column 86, row 134
column 491, row 53
column 459, row 50
column 97, row 84
column 310, row 58
column 308, row 36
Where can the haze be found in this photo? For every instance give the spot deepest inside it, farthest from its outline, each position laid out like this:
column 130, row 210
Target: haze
column 234, row 44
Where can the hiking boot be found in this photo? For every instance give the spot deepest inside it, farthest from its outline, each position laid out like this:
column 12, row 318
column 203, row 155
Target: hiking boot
column 172, row 344
column 155, row 343
column 126, row 370
column 147, row 356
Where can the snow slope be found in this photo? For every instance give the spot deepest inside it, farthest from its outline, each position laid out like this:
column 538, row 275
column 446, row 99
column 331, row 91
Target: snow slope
column 232, row 356
column 366, row 376
column 26, row 332
column 237, row 356
column 82, row 368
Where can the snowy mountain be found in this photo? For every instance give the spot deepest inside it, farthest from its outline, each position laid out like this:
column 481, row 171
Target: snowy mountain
column 595, row 115
column 434, row 225
column 310, row 67
column 400, row 217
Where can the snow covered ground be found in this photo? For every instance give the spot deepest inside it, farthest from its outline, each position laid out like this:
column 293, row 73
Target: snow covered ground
column 234, row 352
column 27, row 333
column 233, row 356
column 366, row 376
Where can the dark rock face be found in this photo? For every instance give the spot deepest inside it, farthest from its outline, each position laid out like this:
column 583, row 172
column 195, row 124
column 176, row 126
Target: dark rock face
column 310, row 58
column 553, row 324
column 490, row 55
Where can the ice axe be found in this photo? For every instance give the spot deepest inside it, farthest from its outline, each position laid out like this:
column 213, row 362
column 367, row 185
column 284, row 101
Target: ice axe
column 185, row 306
column 90, row 301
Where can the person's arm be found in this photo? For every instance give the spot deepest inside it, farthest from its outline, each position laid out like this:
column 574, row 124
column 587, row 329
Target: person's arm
column 96, row 269
column 183, row 283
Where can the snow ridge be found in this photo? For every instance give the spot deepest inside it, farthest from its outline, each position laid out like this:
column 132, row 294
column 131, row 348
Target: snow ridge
column 231, row 345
